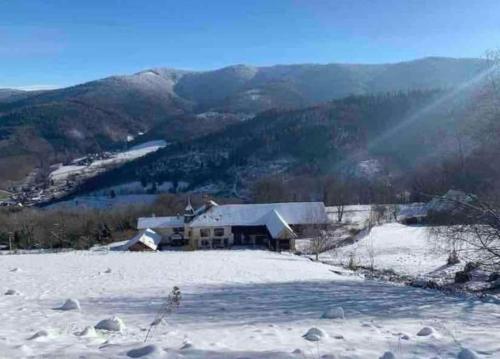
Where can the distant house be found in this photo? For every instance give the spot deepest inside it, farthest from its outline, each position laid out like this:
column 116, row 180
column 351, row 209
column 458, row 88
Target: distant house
column 271, row 225
column 413, row 213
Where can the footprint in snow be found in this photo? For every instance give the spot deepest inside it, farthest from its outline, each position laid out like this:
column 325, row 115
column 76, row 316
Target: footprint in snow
column 187, row 345
column 467, row 354
column 41, row 334
column 426, row 331
column 388, row 355
column 12, row 292
column 148, row 350
column 88, row 332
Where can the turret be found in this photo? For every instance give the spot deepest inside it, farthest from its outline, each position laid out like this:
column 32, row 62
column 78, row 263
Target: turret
column 188, row 211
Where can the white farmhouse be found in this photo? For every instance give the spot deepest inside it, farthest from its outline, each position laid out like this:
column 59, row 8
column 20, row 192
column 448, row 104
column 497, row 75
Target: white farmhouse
column 271, row 225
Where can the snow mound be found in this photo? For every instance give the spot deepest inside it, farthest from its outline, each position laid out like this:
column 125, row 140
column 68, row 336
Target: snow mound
column 12, row 292
column 114, row 324
column 404, row 336
column 334, row 313
column 314, row 335
column 328, row 356
column 16, row 270
column 298, row 352
column 425, row 331
column 187, row 345
column 70, row 304
column 388, row 355
column 108, row 270
column 88, row 332
column 148, row 350
column 39, row 335
column 467, row 354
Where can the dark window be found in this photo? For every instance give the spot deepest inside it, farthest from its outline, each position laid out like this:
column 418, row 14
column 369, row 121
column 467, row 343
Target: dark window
column 179, row 230
column 218, row 232
column 205, row 232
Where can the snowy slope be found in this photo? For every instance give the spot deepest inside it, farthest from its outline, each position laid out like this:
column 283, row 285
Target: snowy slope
column 236, row 304
column 63, row 172
column 405, row 249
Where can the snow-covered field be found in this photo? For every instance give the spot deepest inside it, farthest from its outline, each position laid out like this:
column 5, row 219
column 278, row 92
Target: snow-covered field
column 236, row 304
column 63, row 172
column 405, row 249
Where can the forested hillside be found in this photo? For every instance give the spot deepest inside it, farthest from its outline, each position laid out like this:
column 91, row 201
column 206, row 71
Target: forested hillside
column 41, row 128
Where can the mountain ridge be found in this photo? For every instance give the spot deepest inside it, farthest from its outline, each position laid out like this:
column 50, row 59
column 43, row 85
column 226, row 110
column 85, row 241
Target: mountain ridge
column 104, row 113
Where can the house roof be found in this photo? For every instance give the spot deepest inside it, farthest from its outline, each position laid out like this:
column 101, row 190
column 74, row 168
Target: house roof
column 160, row 222
column 149, row 238
column 277, row 226
column 257, row 214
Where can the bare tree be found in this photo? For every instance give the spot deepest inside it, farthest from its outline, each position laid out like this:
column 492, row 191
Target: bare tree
column 377, row 214
column 323, row 236
column 319, row 241
column 471, row 229
column 336, row 192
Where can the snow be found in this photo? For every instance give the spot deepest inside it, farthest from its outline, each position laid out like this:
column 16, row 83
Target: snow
column 235, row 304
column 160, row 222
column 388, row 355
column 425, row 331
column 334, row 313
column 314, row 335
column 11, row 292
column 277, row 226
column 63, row 172
column 149, row 238
column 256, row 214
column 467, row 354
column 71, row 304
column 148, row 350
column 408, row 250
column 114, row 324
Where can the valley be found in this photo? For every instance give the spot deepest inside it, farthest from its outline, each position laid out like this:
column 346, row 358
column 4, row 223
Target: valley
column 213, row 118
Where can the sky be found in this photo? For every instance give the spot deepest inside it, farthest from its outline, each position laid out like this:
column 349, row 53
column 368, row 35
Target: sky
column 56, row 43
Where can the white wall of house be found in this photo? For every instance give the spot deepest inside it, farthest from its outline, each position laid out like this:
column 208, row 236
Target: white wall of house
column 211, row 237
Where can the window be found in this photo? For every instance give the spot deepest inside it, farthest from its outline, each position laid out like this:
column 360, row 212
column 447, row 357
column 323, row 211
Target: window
column 205, row 232
column 204, row 243
column 179, row 230
column 218, row 232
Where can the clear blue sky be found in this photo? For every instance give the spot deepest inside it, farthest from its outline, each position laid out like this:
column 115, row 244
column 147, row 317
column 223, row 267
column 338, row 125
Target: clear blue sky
column 58, row 43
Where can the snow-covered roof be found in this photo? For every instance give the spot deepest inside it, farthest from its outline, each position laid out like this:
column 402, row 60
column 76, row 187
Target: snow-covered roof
column 257, row 214
column 160, row 222
column 412, row 210
column 277, row 226
column 149, row 238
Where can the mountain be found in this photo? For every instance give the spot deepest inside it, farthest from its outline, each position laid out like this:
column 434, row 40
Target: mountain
column 252, row 89
column 12, row 95
column 365, row 135
column 40, row 128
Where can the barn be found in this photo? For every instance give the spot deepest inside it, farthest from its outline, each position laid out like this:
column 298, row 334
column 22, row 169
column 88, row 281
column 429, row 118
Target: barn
column 270, row 225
